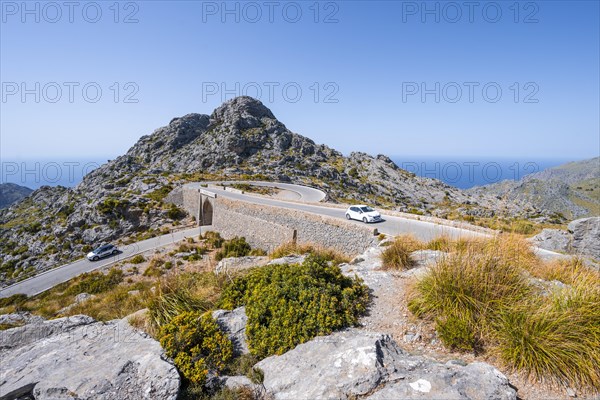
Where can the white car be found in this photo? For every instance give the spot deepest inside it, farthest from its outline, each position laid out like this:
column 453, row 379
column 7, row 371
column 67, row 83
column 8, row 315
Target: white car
column 102, row 251
column 363, row 213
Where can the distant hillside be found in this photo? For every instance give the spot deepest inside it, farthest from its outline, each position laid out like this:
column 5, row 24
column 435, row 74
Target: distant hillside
column 571, row 189
column 11, row 193
column 242, row 139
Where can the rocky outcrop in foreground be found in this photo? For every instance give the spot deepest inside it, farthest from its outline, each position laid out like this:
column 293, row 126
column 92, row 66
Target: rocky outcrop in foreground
column 79, row 358
column 358, row 363
column 581, row 238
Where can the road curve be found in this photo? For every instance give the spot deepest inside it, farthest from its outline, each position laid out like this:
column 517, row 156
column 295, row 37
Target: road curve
column 307, row 197
column 391, row 225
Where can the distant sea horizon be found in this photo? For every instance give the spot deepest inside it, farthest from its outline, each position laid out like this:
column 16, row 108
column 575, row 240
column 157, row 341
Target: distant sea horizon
column 461, row 172
column 468, row 172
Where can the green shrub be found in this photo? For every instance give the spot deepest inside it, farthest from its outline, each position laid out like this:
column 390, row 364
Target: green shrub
column 155, row 268
column 213, row 239
column 14, row 300
column 236, row 247
column 161, row 193
column 137, row 259
column 113, row 206
column 96, row 282
column 196, row 344
column 397, row 254
column 175, row 213
column 290, row 304
column 327, row 254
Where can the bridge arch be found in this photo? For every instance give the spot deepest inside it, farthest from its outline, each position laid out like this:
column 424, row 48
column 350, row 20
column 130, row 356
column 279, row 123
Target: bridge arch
column 207, row 212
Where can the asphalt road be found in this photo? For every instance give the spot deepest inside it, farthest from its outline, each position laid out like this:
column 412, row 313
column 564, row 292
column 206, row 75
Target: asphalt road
column 53, row 277
column 308, row 197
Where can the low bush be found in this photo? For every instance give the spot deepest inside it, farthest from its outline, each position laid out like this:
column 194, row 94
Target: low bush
column 137, row 259
column 236, row 247
column 175, row 213
column 196, row 344
column 115, row 303
column 14, row 300
column 155, row 268
column 213, row 239
column 161, row 193
column 290, row 304
column 327, row 254
column 397, row 254
column 96, row 282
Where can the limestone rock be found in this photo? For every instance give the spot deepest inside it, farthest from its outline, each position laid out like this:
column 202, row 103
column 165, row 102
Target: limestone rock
column 234, row 324
column 79, row 358
column 291, row 259
column 19, row 318
column 553, row 240
column 241, row 137
column 232, row 264
column 356, row 363
column 449, row 381
column 586, row 236
column 582, row 238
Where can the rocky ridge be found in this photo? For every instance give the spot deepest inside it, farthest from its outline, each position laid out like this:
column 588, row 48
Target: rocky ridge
column 571, row 189
column 11, row 193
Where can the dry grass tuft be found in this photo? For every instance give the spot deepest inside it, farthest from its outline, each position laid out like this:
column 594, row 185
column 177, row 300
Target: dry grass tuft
column 481, row 298
column 397, row 254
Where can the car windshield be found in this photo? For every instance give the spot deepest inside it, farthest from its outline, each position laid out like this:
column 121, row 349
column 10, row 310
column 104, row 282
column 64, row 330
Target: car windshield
column 366, row 209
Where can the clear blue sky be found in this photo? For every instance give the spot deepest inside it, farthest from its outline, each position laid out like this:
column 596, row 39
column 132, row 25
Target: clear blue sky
column 373, row 57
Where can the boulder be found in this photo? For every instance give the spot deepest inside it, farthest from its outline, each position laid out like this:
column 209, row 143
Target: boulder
column 79, row 358
column 291, row 259
column 355, row 363
column 586, row 236
column 19, row 318
column 582, row 238
column 553, row 240
column 449, row 381
column 234, row 324
column 232, row 264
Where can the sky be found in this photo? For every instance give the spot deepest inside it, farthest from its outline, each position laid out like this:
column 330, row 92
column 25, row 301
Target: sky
column 85, row 80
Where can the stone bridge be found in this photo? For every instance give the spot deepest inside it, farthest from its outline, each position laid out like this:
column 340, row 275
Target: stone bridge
column 267, row 226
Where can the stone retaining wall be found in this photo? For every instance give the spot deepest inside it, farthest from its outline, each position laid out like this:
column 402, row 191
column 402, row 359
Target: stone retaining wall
column 267, row 227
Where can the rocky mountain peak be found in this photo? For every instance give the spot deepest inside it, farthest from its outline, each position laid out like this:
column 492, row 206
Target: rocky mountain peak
column 242, row 112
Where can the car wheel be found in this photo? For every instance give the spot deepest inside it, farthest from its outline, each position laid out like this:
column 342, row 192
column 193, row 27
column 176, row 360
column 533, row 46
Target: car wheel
column 95, row 258
column 347, row 216
column 365, row 220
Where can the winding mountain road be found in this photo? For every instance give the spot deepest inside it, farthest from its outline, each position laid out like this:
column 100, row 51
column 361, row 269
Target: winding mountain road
column 304, row 199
